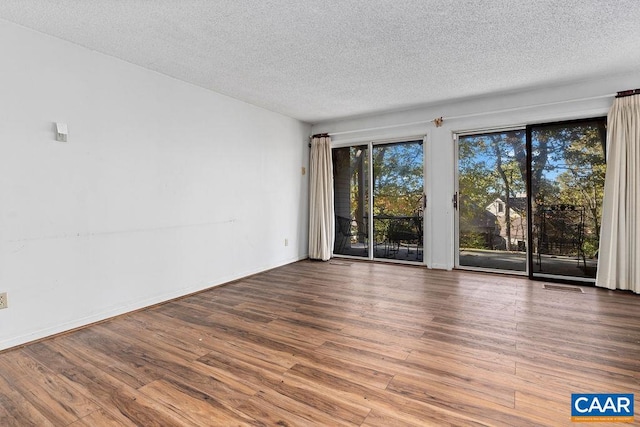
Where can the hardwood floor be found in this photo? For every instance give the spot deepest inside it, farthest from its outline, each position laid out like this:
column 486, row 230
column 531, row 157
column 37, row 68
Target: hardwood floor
column 338, row 344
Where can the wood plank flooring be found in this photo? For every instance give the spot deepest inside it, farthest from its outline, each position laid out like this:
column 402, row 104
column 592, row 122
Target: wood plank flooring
column 338, row 344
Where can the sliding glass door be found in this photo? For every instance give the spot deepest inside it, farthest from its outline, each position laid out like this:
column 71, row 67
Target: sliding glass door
column 530, row 200
column 351, row 200
column 491, row 201
column 567, row 184
column 398, row 201
column 379, row 200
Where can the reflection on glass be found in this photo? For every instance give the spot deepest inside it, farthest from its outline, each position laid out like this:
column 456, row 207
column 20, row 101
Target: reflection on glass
column 398, row 201
column 567, row 185
column 351, row 200
column 492, row 201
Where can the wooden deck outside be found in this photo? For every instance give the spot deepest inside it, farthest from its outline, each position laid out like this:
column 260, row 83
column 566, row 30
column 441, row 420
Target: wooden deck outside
column 342, row 343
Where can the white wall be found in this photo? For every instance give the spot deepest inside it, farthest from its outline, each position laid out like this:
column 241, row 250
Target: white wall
column 162, row 189
column 570, row 101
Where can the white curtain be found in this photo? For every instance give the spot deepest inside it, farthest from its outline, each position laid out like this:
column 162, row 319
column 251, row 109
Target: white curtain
column 619, row 253
column 321, row 214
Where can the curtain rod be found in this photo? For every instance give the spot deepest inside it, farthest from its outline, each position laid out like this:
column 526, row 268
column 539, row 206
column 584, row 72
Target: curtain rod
column 628, row 93
column 438, row 121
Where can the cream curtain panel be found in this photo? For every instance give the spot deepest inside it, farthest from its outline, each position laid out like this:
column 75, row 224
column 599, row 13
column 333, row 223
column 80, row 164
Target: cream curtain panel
column 619, row 253
column 321, row 214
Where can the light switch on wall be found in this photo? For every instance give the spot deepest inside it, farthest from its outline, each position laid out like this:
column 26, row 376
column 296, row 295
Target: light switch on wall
column 61, row 132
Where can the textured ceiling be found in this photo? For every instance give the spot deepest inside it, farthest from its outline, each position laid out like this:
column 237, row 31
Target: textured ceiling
column 324, row 59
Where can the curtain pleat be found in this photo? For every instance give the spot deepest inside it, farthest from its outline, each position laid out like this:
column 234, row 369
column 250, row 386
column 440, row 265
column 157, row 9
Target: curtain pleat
column 619, row 252
column 321, row 213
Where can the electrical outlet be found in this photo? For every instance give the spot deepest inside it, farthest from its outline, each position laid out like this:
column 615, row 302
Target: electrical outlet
column 3, row 300
column 286, row 242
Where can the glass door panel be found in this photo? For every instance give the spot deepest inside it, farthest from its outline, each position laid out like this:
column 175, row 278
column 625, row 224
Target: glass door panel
column 398, row 201
column 492, row 202
column 351, row 200
column 567, row 185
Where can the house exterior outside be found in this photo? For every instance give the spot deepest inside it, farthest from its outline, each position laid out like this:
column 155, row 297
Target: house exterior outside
column 518, row 223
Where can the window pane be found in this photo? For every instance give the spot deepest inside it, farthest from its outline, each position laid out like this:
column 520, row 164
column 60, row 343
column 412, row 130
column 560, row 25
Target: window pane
column 567, row 185
column 492, row 201
column 398, row 201
column 351, row 198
